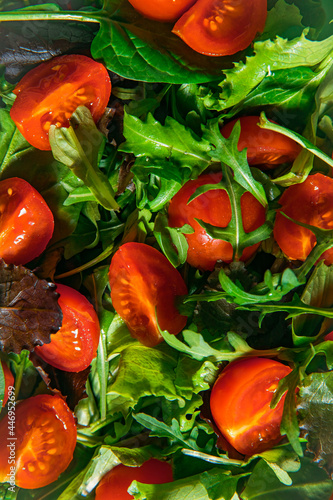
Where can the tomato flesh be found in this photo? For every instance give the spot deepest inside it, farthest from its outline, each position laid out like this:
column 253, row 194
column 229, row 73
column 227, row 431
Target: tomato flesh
column 221, row 27
column 264, row 147
column 45, row 438
column 114, row 484
column 74, row 346
column 214, row 208
column 9, row 381
column 144, row 286
column 240, row 404
column 26, row 222
column 162, row 10
column 50, row 93
column 310, row 202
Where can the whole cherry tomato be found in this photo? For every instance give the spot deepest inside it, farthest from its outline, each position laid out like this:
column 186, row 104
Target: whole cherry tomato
column 144, row 286
column 214, row 208
column 74, row 346
column 264, row 147
column 114, row 484
column 50, row 93
column 311, row 203
column 26, row 222
column 9, row 381
column 162, row 10
column 39, row 440
column 240, row 404
column 221, row 27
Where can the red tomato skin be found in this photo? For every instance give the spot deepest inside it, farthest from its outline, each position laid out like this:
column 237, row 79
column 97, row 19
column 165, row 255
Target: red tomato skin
column 221, row 27
column 51, row 92
column 26, row 222
column 9, row 381
column 45, row 433
column 162, row 10
column 329, row 336
column 142, row 280
column 74, row 346
column 114, row 484
column 264, row 147
column 312, row 203
column 212, row 207
column 240, row 404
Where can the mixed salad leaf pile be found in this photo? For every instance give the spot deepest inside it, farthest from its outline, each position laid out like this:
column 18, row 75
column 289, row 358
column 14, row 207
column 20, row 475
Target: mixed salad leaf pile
column 111, row 183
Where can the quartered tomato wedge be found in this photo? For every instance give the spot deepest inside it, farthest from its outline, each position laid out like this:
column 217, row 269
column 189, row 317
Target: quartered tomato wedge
column 26, row 222
column 212, row 207
column 240, row 404
column 144, row 286
column 42, row 444
column 9, row 381
column 114, row 484
column 74, row 346
column 221, row 27
column 51, row 92
column 162, row 10
column 264, row 147
column 310, row 202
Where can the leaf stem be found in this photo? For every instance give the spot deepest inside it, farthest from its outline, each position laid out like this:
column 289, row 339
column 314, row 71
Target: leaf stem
column 21, row 15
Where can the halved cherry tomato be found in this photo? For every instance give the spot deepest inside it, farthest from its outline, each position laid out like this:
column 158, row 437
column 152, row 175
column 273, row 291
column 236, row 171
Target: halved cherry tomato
column 42, row 444
column 240, row 404
column 26, row 222
column 221, row 27
column 144, row 286
column 264, row 147
column 114, row 484
column 212, row 207
column 329, row 336
column 74, row 346
column 162, row 10
column 50, row 93
column 311, row 203
column 9, row 381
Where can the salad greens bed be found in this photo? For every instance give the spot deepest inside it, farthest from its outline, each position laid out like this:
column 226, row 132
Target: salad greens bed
column 163, row 129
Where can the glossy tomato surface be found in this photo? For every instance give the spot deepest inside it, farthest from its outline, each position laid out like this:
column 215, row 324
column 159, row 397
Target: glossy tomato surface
column 221, row 27
column 26, row 222
column 212, row 207
column 312, row 203
column 50, row 93
column 74, row 346
column 144, row 286
column 114, row 484
column 264, row 147
column 45, row 438
column 9, row 381
column 162, row 10
column 240, row 404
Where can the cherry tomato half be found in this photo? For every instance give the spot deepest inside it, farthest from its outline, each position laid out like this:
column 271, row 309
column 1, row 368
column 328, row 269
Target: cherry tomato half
column 214, row 208
column 221, row 27
column 264, row 147
column 9, row 381
column 45, row 437
column 26, row 222
column 144, row 286
column 162, row 10
column 311, row 203
column 50, row 93
column 74, row 346
column 329, row 336
column 114, row 484
column 240, row 404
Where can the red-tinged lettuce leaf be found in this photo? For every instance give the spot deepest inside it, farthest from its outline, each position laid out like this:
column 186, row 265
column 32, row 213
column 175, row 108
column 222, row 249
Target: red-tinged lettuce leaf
column 71, row 385
column 316, row 414
column 29, row 310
